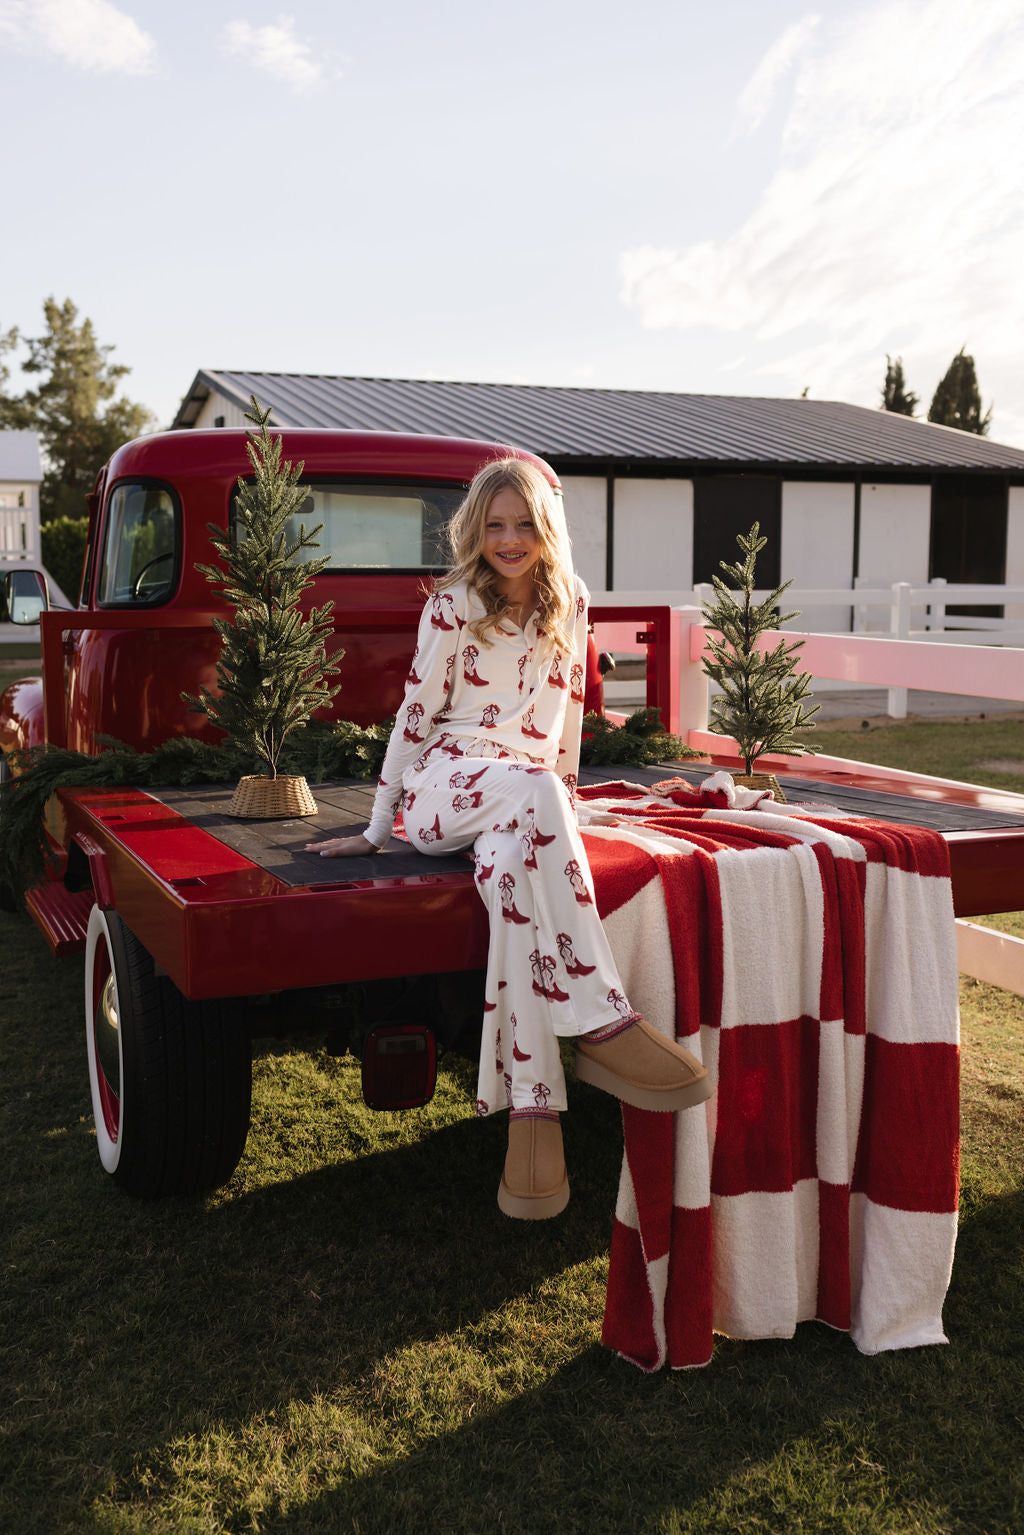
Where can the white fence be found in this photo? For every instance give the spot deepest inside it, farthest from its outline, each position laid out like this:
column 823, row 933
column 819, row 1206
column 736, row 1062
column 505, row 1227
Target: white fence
column 900, row 611
column 19, row 534
column 943, row 664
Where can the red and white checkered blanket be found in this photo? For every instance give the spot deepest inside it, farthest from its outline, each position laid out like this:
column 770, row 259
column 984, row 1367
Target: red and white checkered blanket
column 811, row 963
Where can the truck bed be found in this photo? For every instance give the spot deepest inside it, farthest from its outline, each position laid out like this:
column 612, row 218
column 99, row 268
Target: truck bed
column 230, row 907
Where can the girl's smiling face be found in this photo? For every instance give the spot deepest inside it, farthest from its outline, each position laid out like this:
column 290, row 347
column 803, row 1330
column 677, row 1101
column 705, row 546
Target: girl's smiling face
column 511, row 546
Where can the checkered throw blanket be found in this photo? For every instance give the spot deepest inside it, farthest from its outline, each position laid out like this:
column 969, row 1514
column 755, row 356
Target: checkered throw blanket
column 810, row 960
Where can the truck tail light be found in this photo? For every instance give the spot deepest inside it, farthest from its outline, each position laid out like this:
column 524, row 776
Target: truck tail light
column 399, row 1066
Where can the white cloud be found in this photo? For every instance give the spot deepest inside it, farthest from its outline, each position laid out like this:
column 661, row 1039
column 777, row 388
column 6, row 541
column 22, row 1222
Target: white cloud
column 893, row 222
column 91, row 35
column 756, row 98
column 276, row 50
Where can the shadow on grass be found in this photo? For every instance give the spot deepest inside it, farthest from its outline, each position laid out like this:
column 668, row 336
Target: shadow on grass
column 130, row 1326
column 144, row 1345
column 805, row 1434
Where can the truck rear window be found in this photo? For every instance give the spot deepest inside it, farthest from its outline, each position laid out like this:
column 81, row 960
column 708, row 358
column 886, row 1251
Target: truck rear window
column 141, row 543
column 380, row 527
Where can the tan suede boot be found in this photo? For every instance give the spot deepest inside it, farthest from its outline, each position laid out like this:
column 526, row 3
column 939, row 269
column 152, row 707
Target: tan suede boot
column 642, row 1067
column 534, row 1185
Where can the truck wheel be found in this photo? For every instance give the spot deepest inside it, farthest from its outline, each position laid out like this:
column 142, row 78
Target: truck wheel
column 8, row 897
column 171, row 1079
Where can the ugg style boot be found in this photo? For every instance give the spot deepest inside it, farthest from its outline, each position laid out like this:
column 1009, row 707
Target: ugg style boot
column 642, row 1067
column 534, row 1185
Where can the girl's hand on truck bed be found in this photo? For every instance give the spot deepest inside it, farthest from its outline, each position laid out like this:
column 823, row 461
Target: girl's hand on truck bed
column 342, row 847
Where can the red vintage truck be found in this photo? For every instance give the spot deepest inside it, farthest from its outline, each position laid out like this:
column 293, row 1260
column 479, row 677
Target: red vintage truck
column 199, row 930
column 191, row 942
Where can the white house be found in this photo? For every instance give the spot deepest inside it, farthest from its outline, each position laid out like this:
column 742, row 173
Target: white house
column 657, row 485
column 21, row 475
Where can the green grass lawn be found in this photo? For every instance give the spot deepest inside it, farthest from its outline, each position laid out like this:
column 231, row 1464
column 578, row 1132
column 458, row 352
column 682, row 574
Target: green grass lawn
column 350, row 1337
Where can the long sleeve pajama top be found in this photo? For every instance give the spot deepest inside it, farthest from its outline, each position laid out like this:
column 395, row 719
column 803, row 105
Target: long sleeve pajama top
column 515, row 692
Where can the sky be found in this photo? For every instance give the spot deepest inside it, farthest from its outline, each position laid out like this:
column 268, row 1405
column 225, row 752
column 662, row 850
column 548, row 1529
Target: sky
column 748, row 197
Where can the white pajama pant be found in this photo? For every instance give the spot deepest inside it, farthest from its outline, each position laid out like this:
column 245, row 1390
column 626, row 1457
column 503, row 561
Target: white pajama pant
column 550, row 971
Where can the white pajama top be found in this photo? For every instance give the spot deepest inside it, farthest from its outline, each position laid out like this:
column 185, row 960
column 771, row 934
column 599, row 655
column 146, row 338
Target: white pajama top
column 515, row 693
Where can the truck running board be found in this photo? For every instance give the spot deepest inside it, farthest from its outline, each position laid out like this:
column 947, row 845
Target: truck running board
column 62, row 916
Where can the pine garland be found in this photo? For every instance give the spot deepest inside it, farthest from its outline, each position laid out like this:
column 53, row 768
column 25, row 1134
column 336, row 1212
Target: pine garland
column 761, row 705
column 324, row 751
column 636, row 743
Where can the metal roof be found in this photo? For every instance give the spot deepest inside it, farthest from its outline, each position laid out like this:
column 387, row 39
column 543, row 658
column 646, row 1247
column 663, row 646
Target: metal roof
column 19, row 457
column 640, row 427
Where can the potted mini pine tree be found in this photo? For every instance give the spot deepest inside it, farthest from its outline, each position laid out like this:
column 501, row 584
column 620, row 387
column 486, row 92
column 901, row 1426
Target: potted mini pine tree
column 761, row 703
column 273, row 666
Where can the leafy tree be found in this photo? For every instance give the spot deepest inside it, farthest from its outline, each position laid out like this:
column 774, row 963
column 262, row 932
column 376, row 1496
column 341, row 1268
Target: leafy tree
column 896, row 397
column 273, row 664
column 8, row 341
column 957, row 400
column 73, row 408
column 761, row 704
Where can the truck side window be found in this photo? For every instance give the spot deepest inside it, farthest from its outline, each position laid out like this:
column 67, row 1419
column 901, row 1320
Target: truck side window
column 141, row 547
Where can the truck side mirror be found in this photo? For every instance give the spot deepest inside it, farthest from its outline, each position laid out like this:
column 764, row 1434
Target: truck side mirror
column 25, row 596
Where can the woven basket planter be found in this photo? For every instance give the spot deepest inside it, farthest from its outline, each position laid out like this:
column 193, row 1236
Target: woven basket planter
column 760, row 781
column 272, row 799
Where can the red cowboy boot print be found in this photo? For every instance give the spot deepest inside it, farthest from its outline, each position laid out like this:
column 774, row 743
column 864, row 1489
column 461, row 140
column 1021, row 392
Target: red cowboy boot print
column 499, row 1064
column 432, row 833
column 482, row 1109
column 413, row 680
column 555, row 678
column 489, row 717
column 569, row 779
column 544, row 983
column 413, row 715
column 518, row 1053
column 470, row 655
column 447, row 685
column 576, row 683
column 461, row 781
column 467, row 801
column 450, row 748
column 509, row 910
column 442, row 608
column 508, row 1089
column 579, row 887
column 528, row 726
column 580, row 605
column 408, row 799
column 483, row 870
column 531, row 841
column 524, row 661
column 620, row 1004
column 541, row 1094
column 573, row 966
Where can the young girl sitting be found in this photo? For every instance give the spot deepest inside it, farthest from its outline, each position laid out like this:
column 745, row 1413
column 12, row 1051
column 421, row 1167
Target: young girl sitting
column 485, row 753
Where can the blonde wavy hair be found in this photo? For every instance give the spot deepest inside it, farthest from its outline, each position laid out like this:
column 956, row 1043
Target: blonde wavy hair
column 553, row 573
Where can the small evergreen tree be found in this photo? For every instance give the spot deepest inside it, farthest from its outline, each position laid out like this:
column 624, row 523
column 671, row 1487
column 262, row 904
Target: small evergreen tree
column 762, row 699
column 957, row 400
column 273, row 665
column 896, row 397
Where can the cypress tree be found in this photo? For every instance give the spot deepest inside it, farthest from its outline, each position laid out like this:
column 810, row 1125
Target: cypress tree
column 957, row 400
column 896, row 397
column 762, row 700
column 273, row 665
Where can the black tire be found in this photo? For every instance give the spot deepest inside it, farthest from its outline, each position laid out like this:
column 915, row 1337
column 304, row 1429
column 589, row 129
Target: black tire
column 171, row 1079
column 8, row 895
